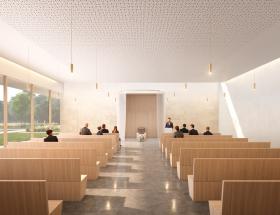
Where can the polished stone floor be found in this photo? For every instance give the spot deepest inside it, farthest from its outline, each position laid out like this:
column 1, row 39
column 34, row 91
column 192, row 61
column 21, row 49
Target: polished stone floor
column 137, row 181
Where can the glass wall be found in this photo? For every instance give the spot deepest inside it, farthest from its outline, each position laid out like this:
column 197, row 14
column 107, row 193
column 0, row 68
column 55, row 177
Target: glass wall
column 18, row 111
column 41, row 112
column 55, row 105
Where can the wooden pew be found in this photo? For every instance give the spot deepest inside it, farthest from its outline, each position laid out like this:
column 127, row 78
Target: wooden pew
column 246, row 197
column 163, row 137
column 169, row 137
column 107, row 140
column 89, row 164
column 100, row 148
column 64, row 180
column 114, row 137
column 185, row 165
column 176, row 147
column 208, row 173
column 212, row 139
column 27, row 198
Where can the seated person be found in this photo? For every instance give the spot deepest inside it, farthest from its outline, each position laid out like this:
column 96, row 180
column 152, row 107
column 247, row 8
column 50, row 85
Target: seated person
column 85, row 130
column 192, row 131
column 104, row 129
column 99, row 132
column 115, row 131
column 207, row 132
column 50, row 137
column 178, row 133
column 169, row 124
column 184, row 129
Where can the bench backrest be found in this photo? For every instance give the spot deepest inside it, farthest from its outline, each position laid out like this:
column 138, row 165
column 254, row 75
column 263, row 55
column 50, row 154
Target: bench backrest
column 23, row 198
column 219, row 169
column 251, row 197
column 87, row 156
column 211, row 139
column 187, row 155
column 176, row 147
column 56, row 170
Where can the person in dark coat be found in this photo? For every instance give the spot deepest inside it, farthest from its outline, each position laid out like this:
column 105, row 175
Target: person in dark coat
column 50, row 137
column 169, row 124
column 184, row 129
column 178, row 133
column 85, row 130
column 193, row 131
column 207, row 132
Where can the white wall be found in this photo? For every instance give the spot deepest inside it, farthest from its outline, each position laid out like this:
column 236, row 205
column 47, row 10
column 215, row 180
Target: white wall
column 82, row 103
column 197, row 104
column 258, row 110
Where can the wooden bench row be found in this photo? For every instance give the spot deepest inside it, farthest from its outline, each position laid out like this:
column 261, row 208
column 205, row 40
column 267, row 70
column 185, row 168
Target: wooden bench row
column 245, row 197
column 27, row 198
column 101, row 151
column 63, row 176
column 185, row 165
column 211, row 139
column 167, row 138
column 88, row 163
column 208, row 174
column 176, row 147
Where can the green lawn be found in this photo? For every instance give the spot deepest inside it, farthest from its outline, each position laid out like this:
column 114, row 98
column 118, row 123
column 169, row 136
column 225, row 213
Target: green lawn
column 18, row 137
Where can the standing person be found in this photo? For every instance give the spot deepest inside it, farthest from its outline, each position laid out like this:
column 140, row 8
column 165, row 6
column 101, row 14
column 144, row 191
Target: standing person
column 99, row 132
column 178, row 133
column 184, row 129
column 193, row 131
column 207, row 132
column 85, row 130
column 50, row 137
column 104, row 129
column 115, row 130
column 169, row 124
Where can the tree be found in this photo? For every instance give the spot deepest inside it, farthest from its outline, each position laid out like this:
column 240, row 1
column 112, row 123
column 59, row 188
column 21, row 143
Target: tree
column 41, row 108
column 19, row 108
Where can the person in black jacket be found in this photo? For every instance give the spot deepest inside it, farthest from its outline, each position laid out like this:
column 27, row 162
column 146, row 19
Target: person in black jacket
column 104, row 130
column 169, row 124
column 207, row 132
column 184, row 129
column 85, row 130
column 178, row 133
column 99, row 132
column 50, row 137
column 193, row 131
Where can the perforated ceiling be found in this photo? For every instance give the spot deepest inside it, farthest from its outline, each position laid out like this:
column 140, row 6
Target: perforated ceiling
column 142, row 40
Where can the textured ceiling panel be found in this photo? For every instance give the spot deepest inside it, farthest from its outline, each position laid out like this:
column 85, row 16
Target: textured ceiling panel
column 153, row 37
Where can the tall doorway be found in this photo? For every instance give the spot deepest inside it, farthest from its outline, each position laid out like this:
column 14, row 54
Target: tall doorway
column 141, row 111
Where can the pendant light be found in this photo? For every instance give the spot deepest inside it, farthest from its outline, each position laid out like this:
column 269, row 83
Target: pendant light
column 96, row 70
column 210, row 65
column 210, row 68
column 254, row 81
column 71, row 38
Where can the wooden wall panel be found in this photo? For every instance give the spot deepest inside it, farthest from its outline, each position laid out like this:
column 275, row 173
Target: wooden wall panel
column 141, row 111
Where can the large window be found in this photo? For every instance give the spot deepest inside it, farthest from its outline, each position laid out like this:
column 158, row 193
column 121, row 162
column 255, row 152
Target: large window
column 41, row 112
column 55, row 104
column 31, row 111
column 18, row 111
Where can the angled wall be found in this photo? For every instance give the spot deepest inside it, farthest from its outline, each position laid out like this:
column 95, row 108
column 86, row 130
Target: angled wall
column 257, row 109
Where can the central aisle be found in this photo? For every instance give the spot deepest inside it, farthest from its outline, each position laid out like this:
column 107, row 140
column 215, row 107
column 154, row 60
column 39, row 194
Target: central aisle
column 138, row 180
